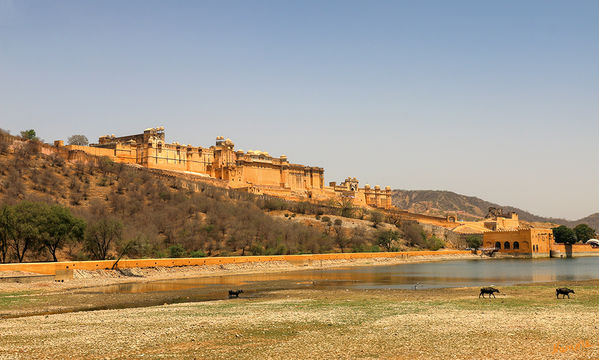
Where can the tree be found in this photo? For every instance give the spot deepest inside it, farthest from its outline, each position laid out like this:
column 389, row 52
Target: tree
column 61, row 226
column 101, row 235
column 414, row 233
column 347, row 206
column 29, row 134
column 129, row 247
column 474, row 241
column 376, row 217
column 29, row 227
column 78, row 140
column 340, row 238
column 7, row 230
column 564, row 235
column 584, row 232
column 385, row 238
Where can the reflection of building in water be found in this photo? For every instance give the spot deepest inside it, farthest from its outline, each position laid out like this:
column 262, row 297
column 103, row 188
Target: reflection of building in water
column 254, row 171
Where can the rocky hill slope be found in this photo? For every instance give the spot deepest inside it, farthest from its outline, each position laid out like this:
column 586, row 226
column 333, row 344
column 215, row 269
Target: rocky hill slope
column 440, row 203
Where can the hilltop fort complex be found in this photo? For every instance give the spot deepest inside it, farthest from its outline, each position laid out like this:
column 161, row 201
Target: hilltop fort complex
column 258, row 172
column 253, row 171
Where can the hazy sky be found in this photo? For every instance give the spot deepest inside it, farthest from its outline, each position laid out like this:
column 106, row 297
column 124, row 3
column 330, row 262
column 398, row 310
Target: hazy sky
column 496, row 99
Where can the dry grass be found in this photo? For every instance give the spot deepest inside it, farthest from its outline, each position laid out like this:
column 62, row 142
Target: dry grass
column 525, row 322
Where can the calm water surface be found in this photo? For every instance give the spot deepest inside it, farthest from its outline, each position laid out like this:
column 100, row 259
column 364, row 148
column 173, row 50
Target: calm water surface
column 462, row 273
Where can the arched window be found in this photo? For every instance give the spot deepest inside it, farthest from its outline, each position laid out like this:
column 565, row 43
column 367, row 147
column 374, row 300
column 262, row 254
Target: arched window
column 506, row 245
column 498, row 245
column 516, row 245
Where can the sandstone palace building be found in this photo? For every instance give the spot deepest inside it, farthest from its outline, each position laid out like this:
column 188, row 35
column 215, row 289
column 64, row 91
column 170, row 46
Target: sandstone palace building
column 254, row 171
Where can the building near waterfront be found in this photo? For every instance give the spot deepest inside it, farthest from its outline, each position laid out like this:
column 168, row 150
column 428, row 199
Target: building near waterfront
column 534, row 242
column 530, row 242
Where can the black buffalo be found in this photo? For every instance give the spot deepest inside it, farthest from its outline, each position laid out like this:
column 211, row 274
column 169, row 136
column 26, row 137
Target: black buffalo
column 488, row 290
column 564, row 292
column 235, row 293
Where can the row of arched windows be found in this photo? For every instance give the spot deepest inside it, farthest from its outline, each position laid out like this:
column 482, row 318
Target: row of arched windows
column 506, row 245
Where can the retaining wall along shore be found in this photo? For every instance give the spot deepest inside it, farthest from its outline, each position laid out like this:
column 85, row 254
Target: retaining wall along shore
column 50, row 268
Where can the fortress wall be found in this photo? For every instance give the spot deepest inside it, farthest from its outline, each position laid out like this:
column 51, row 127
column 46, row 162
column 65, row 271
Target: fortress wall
column 165, row 158
column 261, row 174
column 51, row 268
column 296, row 179
column 184, row 159
column 574, row 250
column 165, row 174
column 427, row 219
column 94, row 151
column 7, row 138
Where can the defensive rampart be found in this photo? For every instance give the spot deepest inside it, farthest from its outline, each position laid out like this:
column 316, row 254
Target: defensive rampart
column 50, row 268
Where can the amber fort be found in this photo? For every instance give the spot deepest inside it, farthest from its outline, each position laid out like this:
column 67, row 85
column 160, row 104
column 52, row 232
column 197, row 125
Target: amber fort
column 253, row 171
column 258, row 172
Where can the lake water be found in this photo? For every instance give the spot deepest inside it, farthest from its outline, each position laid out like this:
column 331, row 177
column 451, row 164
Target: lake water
column 461, row 273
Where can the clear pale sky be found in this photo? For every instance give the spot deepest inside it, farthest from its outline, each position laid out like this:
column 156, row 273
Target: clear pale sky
column 496, row 99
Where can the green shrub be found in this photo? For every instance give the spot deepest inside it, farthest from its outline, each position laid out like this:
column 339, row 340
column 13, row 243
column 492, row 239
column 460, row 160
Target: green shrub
column 257, row 250
column 159, row 254
column 338, row 222
column 197, row 254
column 176, row 251
column 434, row 243
column 375, row 248
column 474, row 241
column 325, row 219
column 359, row 248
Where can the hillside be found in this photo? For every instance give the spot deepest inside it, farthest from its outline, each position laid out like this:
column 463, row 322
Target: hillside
column 157, row 214
column 441, row 203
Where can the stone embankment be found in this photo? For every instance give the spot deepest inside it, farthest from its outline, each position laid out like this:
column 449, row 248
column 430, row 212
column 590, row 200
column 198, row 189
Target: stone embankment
column 340, row 259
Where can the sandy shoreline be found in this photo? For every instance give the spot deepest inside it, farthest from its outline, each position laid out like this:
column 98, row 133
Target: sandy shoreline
column 523, row 322
column 94, row 278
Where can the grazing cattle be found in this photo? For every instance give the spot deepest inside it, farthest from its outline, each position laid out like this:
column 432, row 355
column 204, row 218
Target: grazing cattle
column 235, row 293
column 564, row 292
column 488, row 290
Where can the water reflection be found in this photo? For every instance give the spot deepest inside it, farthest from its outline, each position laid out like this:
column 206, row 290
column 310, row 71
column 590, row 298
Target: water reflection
column 427, row 275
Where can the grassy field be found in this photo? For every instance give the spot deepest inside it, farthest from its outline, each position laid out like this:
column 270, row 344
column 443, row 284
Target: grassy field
column 523, row 322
